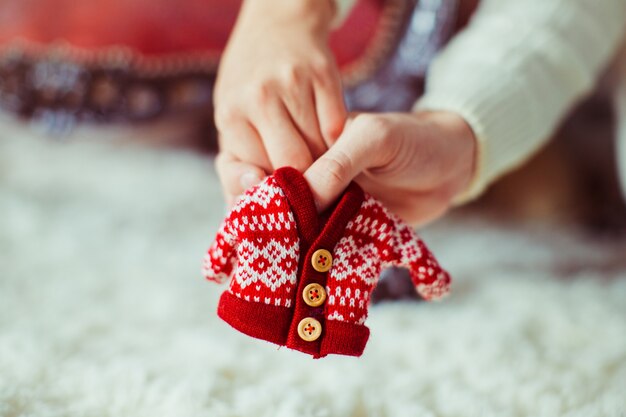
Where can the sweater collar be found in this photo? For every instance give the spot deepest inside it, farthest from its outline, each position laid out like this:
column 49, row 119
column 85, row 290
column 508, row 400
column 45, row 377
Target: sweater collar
column 332, row 222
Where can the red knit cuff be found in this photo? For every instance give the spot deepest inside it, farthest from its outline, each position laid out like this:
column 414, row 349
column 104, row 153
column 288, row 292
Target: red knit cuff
column 261, row 321
column 344, row 338
column 271, row 323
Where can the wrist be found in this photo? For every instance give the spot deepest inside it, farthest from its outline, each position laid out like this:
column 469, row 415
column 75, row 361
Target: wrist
column 460, row 148
column 315, row 15
column 465, row 141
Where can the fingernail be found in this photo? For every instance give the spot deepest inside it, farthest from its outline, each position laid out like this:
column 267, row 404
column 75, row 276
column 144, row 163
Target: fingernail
column 249, row 179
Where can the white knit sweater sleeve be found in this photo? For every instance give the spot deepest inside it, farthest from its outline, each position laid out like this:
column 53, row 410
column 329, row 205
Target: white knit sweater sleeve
column 516, row 69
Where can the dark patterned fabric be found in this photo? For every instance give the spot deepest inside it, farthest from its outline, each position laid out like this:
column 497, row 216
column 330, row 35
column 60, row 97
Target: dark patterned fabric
column 398, row 83
column 56, row 89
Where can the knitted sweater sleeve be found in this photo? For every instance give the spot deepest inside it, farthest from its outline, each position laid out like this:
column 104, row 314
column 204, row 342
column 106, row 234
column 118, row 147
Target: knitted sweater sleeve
column 220, row 258
column 409, row 251
column 516, row 69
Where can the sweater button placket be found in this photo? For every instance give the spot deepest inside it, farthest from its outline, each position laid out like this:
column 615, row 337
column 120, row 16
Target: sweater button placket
column 314, row 295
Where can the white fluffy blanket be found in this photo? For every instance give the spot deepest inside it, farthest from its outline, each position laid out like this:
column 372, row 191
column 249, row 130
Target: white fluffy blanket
column 103, row 311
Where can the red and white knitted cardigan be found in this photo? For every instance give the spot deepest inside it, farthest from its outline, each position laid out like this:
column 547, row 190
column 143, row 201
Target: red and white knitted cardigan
column 267, row 242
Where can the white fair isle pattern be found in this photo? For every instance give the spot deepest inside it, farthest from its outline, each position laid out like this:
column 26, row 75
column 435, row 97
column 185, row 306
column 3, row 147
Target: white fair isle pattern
column 265, row 194
column 356, row 262
column 272, row 264
column 259, row 237
column 217, row 255
column 355, row 269
column 376, row 239
column 435, row 291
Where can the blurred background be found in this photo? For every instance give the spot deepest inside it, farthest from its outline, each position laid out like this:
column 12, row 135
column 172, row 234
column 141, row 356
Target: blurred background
column 108, row 198
column 141, row 64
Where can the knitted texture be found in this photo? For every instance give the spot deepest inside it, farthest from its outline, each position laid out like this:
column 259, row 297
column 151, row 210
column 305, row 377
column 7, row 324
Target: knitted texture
column 265, row 245
column 260, row 236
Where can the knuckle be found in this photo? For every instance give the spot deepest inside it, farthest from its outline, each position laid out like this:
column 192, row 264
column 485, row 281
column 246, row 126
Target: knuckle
column 361, row 122
column 338, row 167
column 378, row 124
column 262, row 93
column 225, row 115
column 376, row 129
column 292, row 76
column 323, row 66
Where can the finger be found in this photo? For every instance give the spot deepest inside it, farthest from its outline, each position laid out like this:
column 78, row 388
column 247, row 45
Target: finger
column 236, row 176
column 300, row 104
column 329, row 104
column 416, row 208
column 243, row 142
column 356, row 150
column 283, row 143
column 420, row 211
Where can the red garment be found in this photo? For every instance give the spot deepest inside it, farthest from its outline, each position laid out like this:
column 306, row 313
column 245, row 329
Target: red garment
column 303, row 280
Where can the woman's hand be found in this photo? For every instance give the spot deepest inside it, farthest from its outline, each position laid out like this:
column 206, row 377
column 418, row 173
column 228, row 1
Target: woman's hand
column 278, row 98
column 415, row 163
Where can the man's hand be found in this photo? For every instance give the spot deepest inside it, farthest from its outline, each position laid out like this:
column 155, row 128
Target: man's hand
column 278, row 98
column 415, row 163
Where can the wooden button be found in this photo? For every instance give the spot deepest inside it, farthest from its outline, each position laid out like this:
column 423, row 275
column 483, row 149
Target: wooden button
column 309, row 329
column 314, row 295
column 321, row 260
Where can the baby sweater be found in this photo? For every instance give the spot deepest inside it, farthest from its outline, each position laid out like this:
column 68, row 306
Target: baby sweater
column 304, row 280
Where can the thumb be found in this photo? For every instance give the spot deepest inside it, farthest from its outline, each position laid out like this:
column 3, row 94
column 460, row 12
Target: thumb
column 331, row 173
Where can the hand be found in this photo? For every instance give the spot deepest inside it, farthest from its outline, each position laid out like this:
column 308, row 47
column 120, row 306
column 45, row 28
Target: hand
column 278, row 98
column 415, row 163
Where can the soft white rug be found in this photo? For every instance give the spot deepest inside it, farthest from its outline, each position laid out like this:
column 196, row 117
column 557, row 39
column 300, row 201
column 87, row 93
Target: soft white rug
column 103, row 311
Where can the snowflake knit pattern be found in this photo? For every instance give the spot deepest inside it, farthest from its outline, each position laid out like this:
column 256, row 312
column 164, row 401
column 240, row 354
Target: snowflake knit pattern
column 289, row 265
